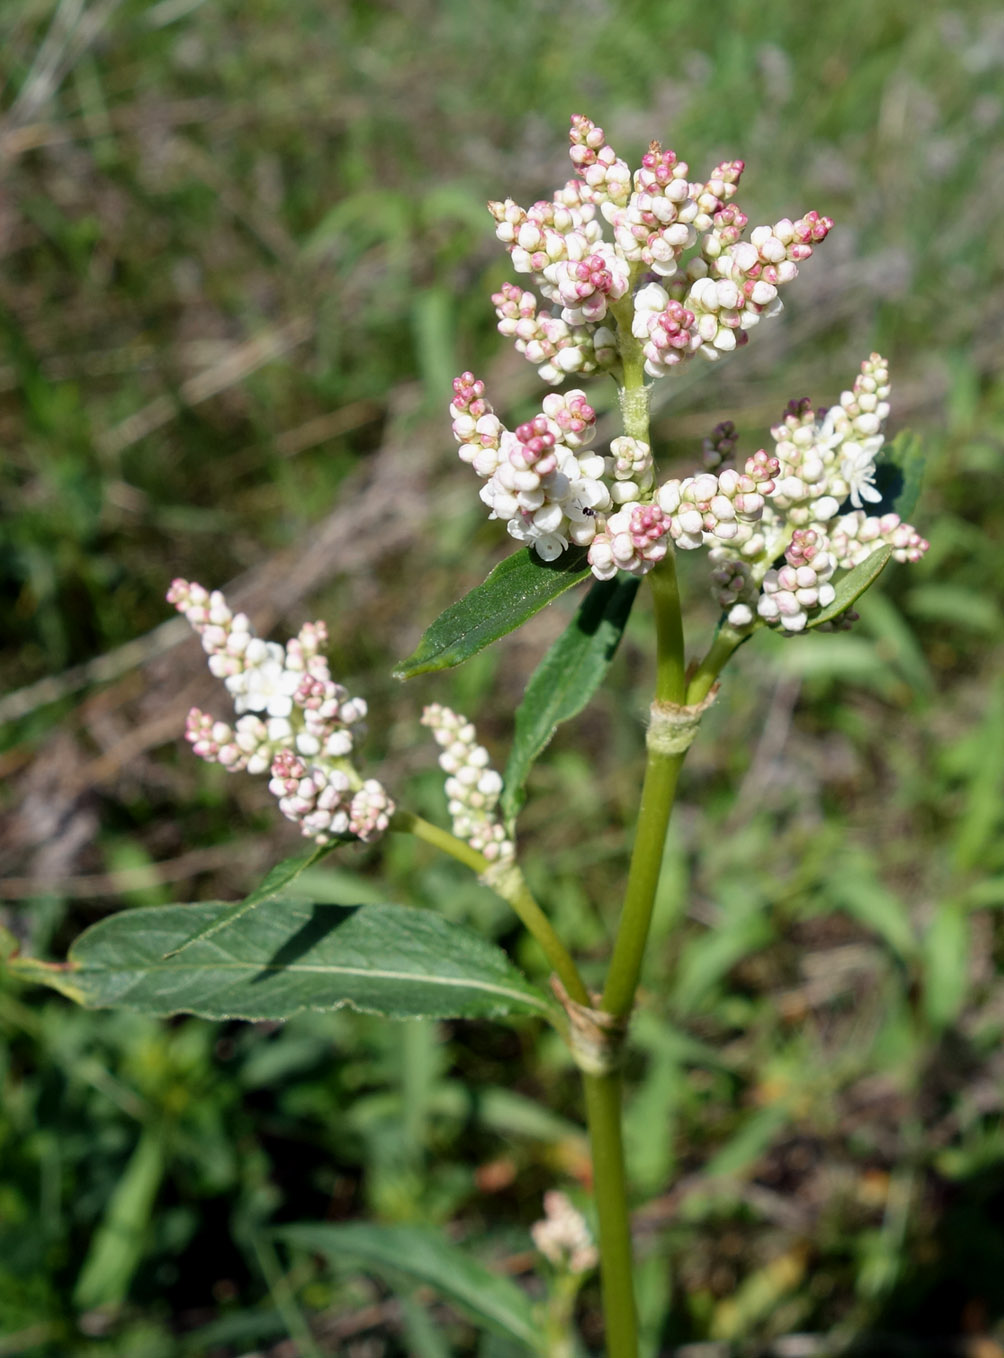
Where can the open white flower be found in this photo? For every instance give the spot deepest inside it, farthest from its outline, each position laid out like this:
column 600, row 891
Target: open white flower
column 857, row 467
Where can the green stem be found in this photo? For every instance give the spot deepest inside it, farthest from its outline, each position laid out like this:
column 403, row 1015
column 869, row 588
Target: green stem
column 406, row 823
column 722, row 648
column 670, row 673
column 603, row 1113
column 658, row 791
column 508, row 883
column 603, row 1091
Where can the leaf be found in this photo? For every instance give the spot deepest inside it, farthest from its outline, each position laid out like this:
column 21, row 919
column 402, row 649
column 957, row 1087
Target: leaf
column 900, row 475
column 945, row 951
column 116, row 1249
column 707, row 958
column 286, row 957
column 978, row 828
column 751, row 1141
column 857, row 891
column 853, row 584
column 956, row 605
column 897, row 642
column 276, row 882
column 566, row 679
column 422, row 1334
column 427, row 1257
column 516, row 589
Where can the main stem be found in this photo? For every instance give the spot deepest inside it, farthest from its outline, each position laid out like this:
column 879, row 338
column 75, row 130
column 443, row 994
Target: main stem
column 603, row 1119
column 658, row 791
column 604, row 1110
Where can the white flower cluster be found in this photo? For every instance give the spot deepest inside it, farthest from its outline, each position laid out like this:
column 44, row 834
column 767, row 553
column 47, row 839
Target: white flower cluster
column 705, row 304
column 473, row 787
column 679, row 278
column 778, row 564
column 293, row 722
column 773, row 522
column 553, row 492
column 541, row 478
column 563, row 1237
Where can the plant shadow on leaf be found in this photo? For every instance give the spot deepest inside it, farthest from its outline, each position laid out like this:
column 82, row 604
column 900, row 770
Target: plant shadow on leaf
column 324, row 920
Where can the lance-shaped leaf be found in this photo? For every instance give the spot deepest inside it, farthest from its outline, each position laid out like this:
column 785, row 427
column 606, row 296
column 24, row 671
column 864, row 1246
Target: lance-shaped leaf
column 425, row 1256
column 899, row 475
column 853, row 584
column 566, row 679
column 281, row 876
column 516, row 589
column 287, row 956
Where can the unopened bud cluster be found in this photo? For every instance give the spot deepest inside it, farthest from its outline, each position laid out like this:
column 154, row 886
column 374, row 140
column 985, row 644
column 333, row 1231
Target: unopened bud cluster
column 563, row 1237
column 294, row 722
column 676, row 279
column 813, row 524
column 473, row 787
column 676, row 272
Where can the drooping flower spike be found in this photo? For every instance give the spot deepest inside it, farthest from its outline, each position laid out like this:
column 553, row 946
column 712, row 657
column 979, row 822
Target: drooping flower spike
column 563, row 1237
column 473, row 787
column 294, row 721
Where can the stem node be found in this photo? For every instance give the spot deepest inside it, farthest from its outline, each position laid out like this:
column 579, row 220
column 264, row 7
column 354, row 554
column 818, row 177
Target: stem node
column 673, row 726
column 595, row 1037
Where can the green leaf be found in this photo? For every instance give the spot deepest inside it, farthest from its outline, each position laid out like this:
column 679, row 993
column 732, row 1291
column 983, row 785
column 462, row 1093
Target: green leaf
column 117, row 1247
column 853, row 584
column 706, row 959
column 282, row 876
column 751, row 1141
column 426, row 1257
column 856, row 890
column 566, row 679
column 900, row 475
column 517, row 588
column 945, row 952
column 956, row 605
column 288, row 956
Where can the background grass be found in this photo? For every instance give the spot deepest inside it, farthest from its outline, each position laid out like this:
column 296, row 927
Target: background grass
column 244, row 252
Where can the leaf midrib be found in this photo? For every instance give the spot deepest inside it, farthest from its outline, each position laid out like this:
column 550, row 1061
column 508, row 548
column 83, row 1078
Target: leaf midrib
column 370, row 973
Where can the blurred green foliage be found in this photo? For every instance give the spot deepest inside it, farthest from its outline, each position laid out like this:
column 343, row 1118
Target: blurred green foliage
column 244, row 250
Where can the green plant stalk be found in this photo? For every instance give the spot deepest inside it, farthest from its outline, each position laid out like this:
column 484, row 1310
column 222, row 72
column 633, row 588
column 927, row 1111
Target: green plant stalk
column 658, row 791
column 508, row 884
column 559, row 1335
column 603, row 1092
column 721, row 650
column 604, row 1110
column 604, row 1117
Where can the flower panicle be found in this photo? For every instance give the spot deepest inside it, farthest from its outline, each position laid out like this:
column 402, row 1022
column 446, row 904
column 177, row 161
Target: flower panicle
column 813, row 521
column 777, row 524
column 473, row 787
column 679, row 256
column 294, row 721
column 563, row 1237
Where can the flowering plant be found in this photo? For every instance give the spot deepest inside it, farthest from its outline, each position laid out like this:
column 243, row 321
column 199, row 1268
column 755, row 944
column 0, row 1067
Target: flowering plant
column 794, row 532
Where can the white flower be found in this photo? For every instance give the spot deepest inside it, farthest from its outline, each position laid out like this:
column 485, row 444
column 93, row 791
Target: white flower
column 265, row 685
column 857, row 467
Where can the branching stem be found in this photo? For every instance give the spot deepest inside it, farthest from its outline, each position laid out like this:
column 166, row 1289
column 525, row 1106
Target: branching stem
column 510, row 885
